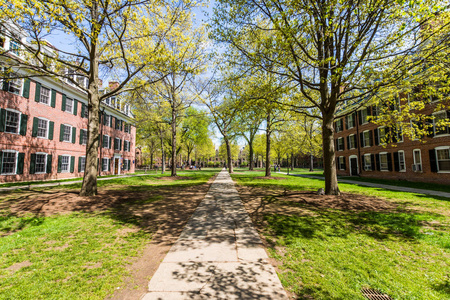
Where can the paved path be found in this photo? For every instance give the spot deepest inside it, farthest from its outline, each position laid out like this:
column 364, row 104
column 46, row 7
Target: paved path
column 219, row 254
column 383, row 186
column 30, row 186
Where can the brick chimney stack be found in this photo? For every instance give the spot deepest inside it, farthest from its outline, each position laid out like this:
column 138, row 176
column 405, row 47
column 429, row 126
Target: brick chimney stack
column 113, row 85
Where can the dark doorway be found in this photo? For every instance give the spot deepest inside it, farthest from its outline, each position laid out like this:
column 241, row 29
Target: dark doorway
column 353, row 167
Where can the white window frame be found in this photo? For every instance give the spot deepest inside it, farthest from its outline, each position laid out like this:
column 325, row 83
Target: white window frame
column 350, row 137
column 434, row 124
column 84, row 168
column 49, row 95
column 117, row 144
column 341, row 128
column 18, row 122
column 109, row 123
column 352, row 116
column 107, row 164
column 437, row 160
column 45, row 162
column 364, row 120
column 83, row 142
column 109, row 141
column 70, row 134
column 380, row 142
column 128, row 146
column 364, row 139
column 68, row 163
column 71, row 110
column 340, row 165
column 370, row 162
column 387, row 162
column 404, row 161
column 414, row 159
column 15, row 161
column 338, row 144
column 46, row 130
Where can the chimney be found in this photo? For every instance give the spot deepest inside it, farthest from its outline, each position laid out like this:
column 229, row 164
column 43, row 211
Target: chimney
column 100, row 83
column 113, row 85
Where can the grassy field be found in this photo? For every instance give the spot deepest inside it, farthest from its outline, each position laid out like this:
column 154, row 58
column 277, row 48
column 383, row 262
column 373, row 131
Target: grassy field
column 330, row 247
column 77, row 253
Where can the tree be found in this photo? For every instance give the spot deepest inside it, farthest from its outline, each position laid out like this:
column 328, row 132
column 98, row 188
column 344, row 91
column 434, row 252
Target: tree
column 194, row 130
column 108, row 36
column 332, row 52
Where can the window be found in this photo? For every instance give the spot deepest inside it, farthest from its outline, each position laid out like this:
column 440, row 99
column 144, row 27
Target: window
column 341, row 163
column 350, row 121
column 105, row 164
column 117, row 104
column 42, row 129
column 44, row 95
column 339, row 125
column 106, row 141
column 107, row 101
column 82, row 164
column 367, row 163
column 69, row 105
column 12, row 122
column 340, row 144
column 127, row 128
column 65, row 163
column 126, row 146
column 83, row 136
column 352, row 141
column 366, row 138
column 443, row 159
column 381, row 135
column 117, row 144
column 417, row 166
column 363, row 114
column 14, row 45
column 384, row 162
column 107, row 120
column 2, row 37
column 439, row 119
column 118, row 124
column 401, row 161
column 41, row 160
column 67, row 130
column 398, row 135
column 9, row 161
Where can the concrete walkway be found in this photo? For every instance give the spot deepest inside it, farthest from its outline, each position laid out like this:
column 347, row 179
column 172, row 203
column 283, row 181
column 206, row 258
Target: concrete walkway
column 383, row 186
column 219, row 254
column 30, row 186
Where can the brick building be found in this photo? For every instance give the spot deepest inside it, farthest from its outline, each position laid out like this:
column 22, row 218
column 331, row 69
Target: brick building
column 360, row 150
column 43, row 128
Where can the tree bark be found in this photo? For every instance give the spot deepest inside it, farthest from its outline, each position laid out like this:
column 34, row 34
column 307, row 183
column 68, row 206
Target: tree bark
column 268, row 131
column 174, row 142
column 329, row 162
column 229, row 162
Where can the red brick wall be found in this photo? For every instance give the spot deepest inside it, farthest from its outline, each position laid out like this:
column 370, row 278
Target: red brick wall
column 426, row 144
column 28, row 144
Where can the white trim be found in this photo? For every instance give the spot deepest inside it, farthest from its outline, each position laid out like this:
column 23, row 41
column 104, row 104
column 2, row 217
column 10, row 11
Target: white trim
column 109, row 141
column 19, row 120
column 437, row 160
column 49, row 103
column 404, row 161
column 414, row 158
column 349, row 138
column 364, row 139
column 47, row 130
column 71, row 133
column 45, row 163
column 370, row 159
column 339, row 161
column 387, row 162
column 84, row 156
column 16, row 159
column 73, row 102
column 68, row 169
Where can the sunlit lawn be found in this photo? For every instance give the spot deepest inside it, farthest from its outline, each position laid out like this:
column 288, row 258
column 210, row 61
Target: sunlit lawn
column 79, row 255
column 332, row 254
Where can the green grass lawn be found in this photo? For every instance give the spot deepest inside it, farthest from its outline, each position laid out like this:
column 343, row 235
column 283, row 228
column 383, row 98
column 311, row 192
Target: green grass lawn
column 78, row 255
column 329, row 253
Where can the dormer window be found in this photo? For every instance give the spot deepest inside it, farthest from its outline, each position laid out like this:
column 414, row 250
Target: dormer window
column 14, row 45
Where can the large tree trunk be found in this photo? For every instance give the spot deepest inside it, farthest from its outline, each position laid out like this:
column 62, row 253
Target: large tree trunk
column 329, row 162
column 163, row 155
column 229, row 162
column 174, row 143
column 268, row 129
column 292, row 161
column 311, row 163
column 89, row 186
column 250, row 157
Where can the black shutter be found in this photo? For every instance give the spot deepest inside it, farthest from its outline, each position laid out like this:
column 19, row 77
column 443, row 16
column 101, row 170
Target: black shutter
column 74, row 135
column 32, row 163
column 61, row 132
column 26, row 89
column 361, row 138
column 433, row 160
column 1, row 160
column 448, row 117
column 375, row 132
column 345, row 165
column 59, row 163
column 372, row 162
column 51, row 127
column 63, row 103
column 369, row 110
column 53, row 103
column 75, row 107
column 109, row 142
column 5, row 85
column 23, row 124
column 389, row 161
column 355, row 137
column 120, row 145
column 35, row 127
column 2, row 119
column 346, row 122
column 79, row 164
column 378, row 162
column 115, row 144
column 348, row 142
column 20, row 162
column 83, row 110
column 396, row 162
column 81, row 136
column 37, row 93
column 49, row 163
column 371, row 138
column 363, row 163
column 72, row 164
column 336, row 144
